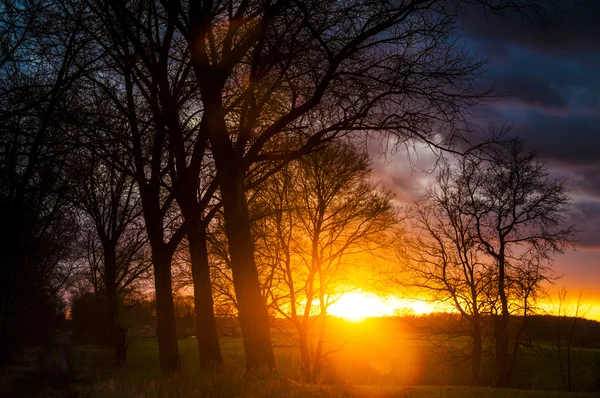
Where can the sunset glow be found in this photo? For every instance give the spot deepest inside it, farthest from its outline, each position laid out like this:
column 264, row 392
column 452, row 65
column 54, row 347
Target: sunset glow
column 356, row 306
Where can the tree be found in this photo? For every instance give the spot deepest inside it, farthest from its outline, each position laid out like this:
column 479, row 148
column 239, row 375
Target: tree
column 266, row 71
column 112, row 209
column 311, row 70
column 38, row 76
column 517, row 215
column 567, row 317
column 149, row 84
column 316, row 220
column 442, row 258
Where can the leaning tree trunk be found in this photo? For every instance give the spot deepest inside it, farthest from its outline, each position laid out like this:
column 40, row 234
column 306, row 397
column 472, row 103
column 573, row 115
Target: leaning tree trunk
column 252, row 309
column 207, row 336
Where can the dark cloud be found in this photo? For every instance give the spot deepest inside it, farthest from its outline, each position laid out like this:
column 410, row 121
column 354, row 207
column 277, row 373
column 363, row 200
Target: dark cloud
column 573, row 30
column 546, row 82
column 567, row 140
column 532, row 91
column 551, row 86
column 406, row 172
column 585, row 216
column 590, row 182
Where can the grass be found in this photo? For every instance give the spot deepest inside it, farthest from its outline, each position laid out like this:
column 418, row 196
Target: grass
column 394, row 364
column 370, row 360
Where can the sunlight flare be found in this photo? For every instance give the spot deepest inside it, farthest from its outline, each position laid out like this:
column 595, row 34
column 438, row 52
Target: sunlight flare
column 356, row 306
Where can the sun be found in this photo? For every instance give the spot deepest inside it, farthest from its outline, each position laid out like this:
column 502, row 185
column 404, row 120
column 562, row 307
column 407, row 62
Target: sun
column 356, row 306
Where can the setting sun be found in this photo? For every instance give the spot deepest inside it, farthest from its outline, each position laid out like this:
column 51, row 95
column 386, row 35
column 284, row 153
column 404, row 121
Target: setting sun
column 356, row 306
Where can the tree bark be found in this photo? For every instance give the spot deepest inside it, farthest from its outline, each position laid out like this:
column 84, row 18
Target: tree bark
column 476, row 355
column 253, row 315
column 207, row 336
column 115, row 338
column 305, row 363
column 168, row 352
column 501, row 326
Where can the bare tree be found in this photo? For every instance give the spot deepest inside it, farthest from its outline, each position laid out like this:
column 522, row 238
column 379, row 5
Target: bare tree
column 321, row 216
column 149, row 83
column 263, row 72
column 38, row 74
column 111, row 205
column 567, row 317
column 442, row 258
column 518, row 213
column 271, row 70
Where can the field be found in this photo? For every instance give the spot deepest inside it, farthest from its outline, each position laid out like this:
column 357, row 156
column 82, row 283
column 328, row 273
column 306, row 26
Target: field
column 378, row 358
column 374, row 358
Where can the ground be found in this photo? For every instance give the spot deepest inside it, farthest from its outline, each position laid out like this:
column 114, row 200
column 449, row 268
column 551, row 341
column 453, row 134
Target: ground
column 367, row 363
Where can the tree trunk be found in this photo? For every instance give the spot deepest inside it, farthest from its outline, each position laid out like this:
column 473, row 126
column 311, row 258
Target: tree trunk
column 305, row 365
column 209, row 350
column 4, row 345
column 320, row 342
column 476, row 354
column 168, row 352
column 112, row 301
column 501, row 326
column 121, row 345
column 231, row 172
column 252, row 309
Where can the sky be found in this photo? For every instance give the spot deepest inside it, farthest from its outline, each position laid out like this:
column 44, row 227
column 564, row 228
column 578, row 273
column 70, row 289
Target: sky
column 550, row 78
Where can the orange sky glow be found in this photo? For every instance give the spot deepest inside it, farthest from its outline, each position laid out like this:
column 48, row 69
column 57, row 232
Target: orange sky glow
column 359, row 305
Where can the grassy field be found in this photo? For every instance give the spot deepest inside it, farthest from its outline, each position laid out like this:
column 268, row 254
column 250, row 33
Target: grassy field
column 369, row 361
column 140, row 378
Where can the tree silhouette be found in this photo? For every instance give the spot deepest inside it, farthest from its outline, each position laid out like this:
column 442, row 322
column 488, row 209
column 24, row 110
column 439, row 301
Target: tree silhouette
column 211, row 96
column 312, row 70
column 441, row 256
column 316, row 220
column 517, row 212
column 150, row 86
column 39, row 69
column 112, row 209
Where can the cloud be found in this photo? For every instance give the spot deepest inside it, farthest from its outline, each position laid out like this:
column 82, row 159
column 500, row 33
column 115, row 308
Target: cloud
column 407, row 173
column 563, row 32
column 585, row 216
column 531, row 91
column 567, row 140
